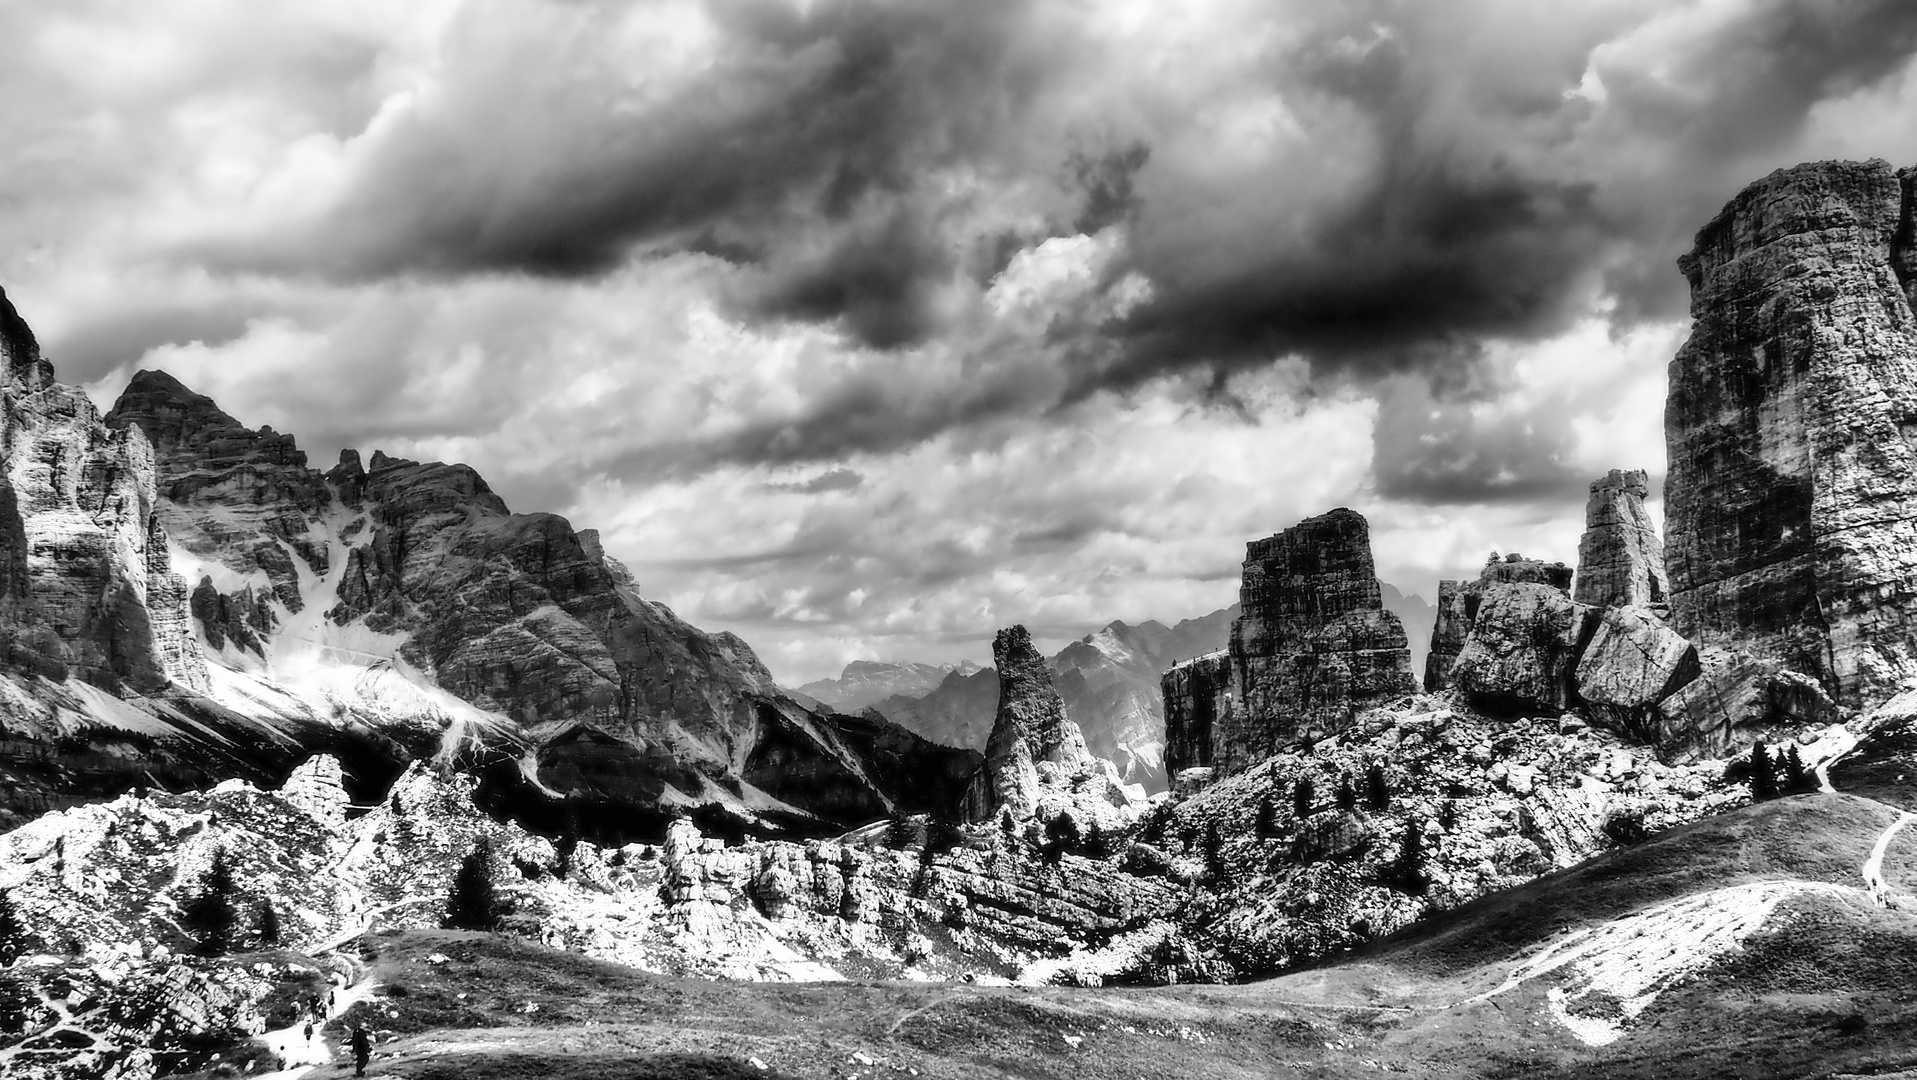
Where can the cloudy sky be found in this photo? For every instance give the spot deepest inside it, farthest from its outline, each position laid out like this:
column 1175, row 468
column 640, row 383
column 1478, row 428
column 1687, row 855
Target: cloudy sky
column 863, row 327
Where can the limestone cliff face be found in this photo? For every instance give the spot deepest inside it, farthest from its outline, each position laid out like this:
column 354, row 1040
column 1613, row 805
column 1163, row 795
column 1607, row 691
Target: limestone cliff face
column 1620, row 557
column 86, row 585
column 1311, row 649
column 1791, row 502
column 1197, row 692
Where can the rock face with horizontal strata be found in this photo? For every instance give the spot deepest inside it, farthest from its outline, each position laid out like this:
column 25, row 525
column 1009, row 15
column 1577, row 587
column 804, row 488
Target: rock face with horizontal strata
column 1620, row 557
column 1791, row 502
column 1312, row 647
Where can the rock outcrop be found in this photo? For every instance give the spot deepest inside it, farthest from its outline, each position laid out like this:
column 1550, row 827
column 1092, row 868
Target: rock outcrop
column 1620, row 557
column 1197, row 692
column 1458, row 603
column 1035, row 750
column 1312, row 647
column 1632, row 664
column 1791, row 502
column 1522, row 651
column 86, row 583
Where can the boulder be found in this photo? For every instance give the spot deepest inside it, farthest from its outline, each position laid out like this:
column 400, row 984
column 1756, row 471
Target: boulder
column 1458, row 603
column 1522, row 651
column 1735, row 700
column 1633, row 662
column 1793, row 477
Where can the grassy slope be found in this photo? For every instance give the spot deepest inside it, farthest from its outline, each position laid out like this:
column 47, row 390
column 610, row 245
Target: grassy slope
column 1832, row 983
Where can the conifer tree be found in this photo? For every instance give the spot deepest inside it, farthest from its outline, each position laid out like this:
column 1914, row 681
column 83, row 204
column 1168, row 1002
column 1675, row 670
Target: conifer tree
column 1098, row 845
column 268, row 926
column 1061, row 835
column 1797, row 778
column 212, row 915
column 1763, row 778
column 13, row 932
column 1347, row 795
column 472, row 903
column 1407, row 872
column 1267, row 817
column 1214, row 852
column 943, row 834
column 899, row 831
column 1302, row 797
column 1377, row 789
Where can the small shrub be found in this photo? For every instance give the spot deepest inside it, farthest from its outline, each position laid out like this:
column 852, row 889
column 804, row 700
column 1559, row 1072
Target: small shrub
column 1377, row 789
column 1626, row 828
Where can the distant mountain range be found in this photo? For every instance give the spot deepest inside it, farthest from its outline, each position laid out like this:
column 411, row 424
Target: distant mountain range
column 866, row 682
column 1109, row 680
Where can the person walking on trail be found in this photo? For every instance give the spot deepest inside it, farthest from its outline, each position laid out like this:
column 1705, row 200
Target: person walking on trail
column 309, row 1031
column 362, row 1049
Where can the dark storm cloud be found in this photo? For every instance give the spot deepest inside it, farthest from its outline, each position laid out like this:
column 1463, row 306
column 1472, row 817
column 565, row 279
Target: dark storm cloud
column 1497, row 223
column 803, row 151
column 1378, row 187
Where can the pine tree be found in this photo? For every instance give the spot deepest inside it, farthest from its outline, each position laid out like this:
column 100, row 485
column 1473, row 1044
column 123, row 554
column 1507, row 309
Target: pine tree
column 567, row 845
column 1061, row 835
column 1098, row 845
column 1302, row 797
column 268, row 927
column 1797, row 779
column 1407, row 873
column 899, row 831
column 1214, row 852
column 1347, row 795
column 1763, row 778
column 1377, row 790
column 212, row 915
column 13, row 932
column 1267, row 817
column 943, row 835
column 471, row 903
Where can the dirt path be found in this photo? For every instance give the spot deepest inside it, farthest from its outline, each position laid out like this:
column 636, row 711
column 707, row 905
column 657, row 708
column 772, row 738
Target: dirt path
column 301, row 1053
column 1873, row 868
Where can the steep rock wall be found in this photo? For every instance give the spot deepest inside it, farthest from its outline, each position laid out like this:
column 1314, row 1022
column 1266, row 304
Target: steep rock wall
column 1791, row 501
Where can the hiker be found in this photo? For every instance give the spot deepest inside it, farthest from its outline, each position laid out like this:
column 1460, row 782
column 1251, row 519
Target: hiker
column 362, row 1049
column 330, row 1004
column 309, row 1031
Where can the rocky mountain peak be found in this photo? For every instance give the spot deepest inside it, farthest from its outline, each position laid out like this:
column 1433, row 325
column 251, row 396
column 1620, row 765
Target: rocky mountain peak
column 21, row 350
column 1792, row 474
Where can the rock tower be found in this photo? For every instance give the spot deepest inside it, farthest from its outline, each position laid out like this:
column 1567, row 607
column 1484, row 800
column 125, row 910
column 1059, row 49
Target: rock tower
column 1792, row 491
